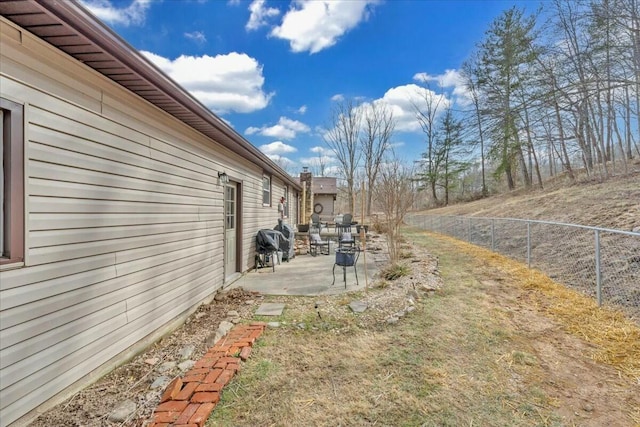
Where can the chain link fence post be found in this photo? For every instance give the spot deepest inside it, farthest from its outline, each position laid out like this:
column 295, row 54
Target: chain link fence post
column 529, row 244
column 598, row 270
column 493, row 234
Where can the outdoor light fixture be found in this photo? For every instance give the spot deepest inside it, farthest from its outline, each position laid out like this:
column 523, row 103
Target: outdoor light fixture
column 223, row 178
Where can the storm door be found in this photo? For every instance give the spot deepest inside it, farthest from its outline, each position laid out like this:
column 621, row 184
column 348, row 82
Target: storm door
column 230, row 229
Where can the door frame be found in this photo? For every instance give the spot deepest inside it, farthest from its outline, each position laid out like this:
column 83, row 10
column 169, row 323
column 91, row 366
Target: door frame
column 228, row 275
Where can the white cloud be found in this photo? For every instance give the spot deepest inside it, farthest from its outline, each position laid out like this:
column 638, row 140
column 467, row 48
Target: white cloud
column 285, row 129
column 283, row 162
column 314, row 25
column 337, row 97
column 450, row 79
column 224, row 83
column 320, row 150
column 251, row 130
column 260, row 15
column 402, row 101
column 277, row 147
column 134, row 14
column 317, row 161
column 197, row 36
column 302, row 110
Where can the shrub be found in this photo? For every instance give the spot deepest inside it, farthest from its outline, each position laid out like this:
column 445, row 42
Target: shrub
column 395, row 271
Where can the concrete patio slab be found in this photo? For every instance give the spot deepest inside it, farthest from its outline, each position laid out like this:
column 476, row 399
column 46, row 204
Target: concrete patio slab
column 358, row 306
column 270, row 309
column 308, row 275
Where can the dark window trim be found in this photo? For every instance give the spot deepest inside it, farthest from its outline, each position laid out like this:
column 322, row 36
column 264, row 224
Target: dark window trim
column 13, row 146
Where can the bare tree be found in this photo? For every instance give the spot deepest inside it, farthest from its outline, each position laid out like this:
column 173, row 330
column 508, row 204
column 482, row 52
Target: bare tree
column 377, row 132
column 320, row 163
column 427, row 109
column 394, row 194
column 343, row 137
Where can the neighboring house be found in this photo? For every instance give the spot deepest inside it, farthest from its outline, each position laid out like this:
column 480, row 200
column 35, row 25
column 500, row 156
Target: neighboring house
column 322, row 199
column 325, row 192
column 126, row 203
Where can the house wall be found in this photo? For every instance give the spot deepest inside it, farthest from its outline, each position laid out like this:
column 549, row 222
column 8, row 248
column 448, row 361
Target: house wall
column 123, row 225
column 327, row 202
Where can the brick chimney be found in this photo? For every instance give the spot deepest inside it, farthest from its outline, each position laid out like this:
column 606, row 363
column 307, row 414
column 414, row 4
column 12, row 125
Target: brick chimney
column 306, row 208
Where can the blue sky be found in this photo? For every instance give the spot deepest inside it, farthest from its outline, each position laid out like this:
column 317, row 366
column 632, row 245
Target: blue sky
column 274, row 69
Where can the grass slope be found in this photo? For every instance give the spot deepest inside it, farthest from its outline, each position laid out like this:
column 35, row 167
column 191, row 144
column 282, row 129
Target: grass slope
column 614, row 203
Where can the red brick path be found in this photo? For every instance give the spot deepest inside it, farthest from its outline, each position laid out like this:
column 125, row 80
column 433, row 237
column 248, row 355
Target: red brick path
column 188, row 401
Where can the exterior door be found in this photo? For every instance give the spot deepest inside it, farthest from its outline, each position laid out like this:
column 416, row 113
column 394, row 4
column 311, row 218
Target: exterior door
column 230, row 229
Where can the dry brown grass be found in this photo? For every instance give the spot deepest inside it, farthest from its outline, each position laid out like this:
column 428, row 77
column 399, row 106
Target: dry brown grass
column 615, row 336
column 611, row 204
column 482, row 350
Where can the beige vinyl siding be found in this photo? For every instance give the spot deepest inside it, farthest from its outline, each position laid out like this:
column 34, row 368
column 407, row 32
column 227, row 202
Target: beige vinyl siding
column 124, row 224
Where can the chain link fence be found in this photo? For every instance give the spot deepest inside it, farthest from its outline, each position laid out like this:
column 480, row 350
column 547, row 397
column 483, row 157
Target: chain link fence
column 599, row 262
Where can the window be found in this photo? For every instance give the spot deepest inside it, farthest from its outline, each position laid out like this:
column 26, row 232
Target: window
column 11, row 183
column 286, row 202
column 266, row 191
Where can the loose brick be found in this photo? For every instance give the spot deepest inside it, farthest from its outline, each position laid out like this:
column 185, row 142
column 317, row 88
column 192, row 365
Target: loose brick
column 220, row 347
column 213, row 376
column 209, row 387
column 172, row 406
column 195, row 371
column 225, row 377
column 187, row 392
column 188, row 412
column 193, row 378
column 245, row 353
column 206, row 397
column 165, row 416
column 201, row 415
column 261, row 324
column 172, row 389
column 220, row 365
column 205, row 362
column 216, row 354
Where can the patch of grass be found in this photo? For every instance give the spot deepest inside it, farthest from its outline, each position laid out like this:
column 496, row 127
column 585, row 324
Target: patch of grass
column 395, row 271
column 405, row 255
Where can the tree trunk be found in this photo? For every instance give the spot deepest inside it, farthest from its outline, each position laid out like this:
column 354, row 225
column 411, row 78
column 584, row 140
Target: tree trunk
column 565, row 155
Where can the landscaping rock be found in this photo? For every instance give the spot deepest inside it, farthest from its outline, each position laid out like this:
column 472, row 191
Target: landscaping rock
column 358, row 306
column 122, row 412
column 160, row 382
column 186, row 352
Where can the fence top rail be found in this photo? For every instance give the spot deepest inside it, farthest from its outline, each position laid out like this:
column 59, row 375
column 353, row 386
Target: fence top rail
column 587, row 227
